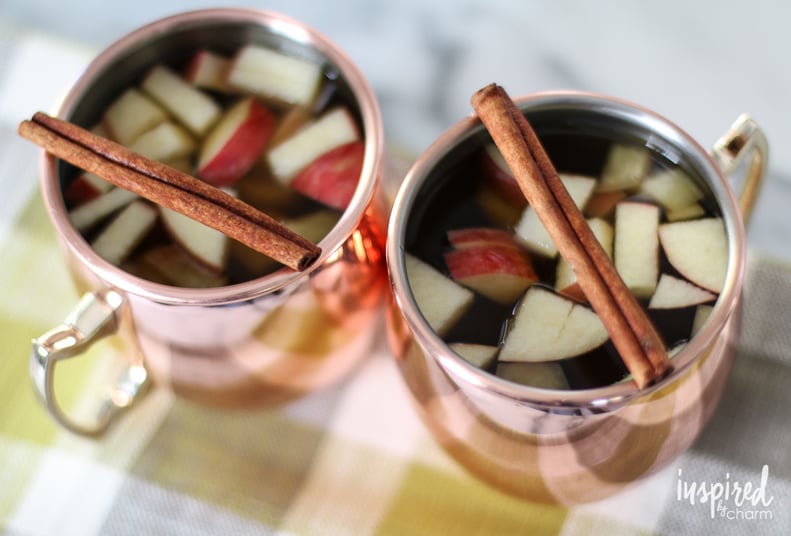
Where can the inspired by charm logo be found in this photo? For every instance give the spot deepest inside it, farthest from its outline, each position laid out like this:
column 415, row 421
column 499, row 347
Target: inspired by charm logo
column 729, row 499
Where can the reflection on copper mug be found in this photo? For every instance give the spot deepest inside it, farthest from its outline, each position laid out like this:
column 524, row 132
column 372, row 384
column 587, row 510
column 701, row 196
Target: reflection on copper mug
column 578, row 445
column 259, row 342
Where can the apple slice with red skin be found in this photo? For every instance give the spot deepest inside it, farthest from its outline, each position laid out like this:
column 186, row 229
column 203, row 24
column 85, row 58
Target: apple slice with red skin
column 332, row 178
column 500, row 177
column 478, row 236
column 236, row 142
column 332, row 129
column 500, row 272
column 209, row 70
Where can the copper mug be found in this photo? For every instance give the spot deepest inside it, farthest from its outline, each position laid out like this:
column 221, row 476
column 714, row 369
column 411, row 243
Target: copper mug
column 255, row 343
column 582, row 445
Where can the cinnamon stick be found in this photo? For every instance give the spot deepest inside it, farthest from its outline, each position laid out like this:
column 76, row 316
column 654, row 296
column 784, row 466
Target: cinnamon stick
column 170, row 188
column 632, row 333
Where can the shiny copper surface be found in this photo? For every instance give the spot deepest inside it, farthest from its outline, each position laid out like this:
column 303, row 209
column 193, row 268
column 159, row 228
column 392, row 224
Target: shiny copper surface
column 559, row 446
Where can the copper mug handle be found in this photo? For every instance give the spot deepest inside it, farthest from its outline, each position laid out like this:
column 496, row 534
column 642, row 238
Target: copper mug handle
column 93, row 318
column 744, row 138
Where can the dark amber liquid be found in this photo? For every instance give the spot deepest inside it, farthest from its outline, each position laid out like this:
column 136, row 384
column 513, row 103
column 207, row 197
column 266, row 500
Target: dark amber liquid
column 449, row 201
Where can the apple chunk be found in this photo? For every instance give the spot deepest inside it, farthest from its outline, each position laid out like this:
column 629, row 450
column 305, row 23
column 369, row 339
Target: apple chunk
column 548, row 327
column 500, row 272
column 332, row 178
column 478, row 355
column 332, row 129
column 441, row 300
column 131, row 114
column 565, row 280
column 205, row 244
column 92, row 212
column 271, row 74
column 165, row 142
column 698, row 249
column 636, row 248
column 674, row 293
column 500, row 177
column 625, row 168
column 117, row 240
column 532, row 232
column 189, row 105
column 208, row 70
column 673, row 189
column 236, row 142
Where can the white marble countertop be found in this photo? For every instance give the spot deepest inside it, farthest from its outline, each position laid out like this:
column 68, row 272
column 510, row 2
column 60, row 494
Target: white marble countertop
column 700, row 64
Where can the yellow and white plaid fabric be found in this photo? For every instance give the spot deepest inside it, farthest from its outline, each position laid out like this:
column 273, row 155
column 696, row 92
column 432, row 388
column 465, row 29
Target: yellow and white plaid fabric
column 353, row 459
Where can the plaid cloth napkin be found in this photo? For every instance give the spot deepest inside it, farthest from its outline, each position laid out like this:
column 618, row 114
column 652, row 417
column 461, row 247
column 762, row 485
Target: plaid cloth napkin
column 353, row 459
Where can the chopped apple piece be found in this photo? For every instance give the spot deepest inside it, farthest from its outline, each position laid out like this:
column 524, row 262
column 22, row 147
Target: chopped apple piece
column 85, row 187
column 88, row 214
column 236, row 142
column 333, row 129
column 546, row 375
column 672, row 189
column 674, row 293
column 702, row 313
column 189, row 105
column 480, row 236
column 636, row 248
column 478, row 355
column 625, row 168
column 130, row 115
column 565, row 279
column 601, row 204
column 533, row 233
column 208, row 70
column 499, row 272
column 178, row 268
column 500, row 177
column 548, row 327
column 695, row 210
column 271, row 74
column 165, row 142
column 698, row 249
column 497, row 208
column 441, row 300
column 116, row 241
column 205, row 244
column 332, row 178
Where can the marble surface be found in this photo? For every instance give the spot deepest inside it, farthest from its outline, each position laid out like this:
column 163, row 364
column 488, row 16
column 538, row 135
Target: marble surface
column 700, row 63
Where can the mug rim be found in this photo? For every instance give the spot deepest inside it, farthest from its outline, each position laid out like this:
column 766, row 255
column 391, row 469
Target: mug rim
column 280, row 25
column 602, row 398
